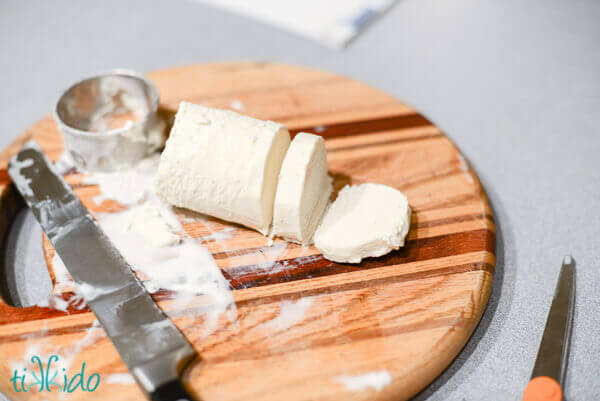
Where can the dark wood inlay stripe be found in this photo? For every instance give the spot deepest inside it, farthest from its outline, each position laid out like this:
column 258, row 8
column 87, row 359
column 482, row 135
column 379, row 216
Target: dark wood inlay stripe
column 4, row 177
column 414, row 225
column 430, row 178
column 367, row 126
column 388, row 142
column 454, row 219
column 415, row 250
column 459, row 200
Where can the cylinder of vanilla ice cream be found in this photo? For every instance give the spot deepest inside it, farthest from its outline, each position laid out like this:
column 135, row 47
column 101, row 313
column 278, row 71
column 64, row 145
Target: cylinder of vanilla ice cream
column 223, row 164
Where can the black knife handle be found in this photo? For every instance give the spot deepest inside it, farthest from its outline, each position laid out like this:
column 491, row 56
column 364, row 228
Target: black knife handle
column 171, row 391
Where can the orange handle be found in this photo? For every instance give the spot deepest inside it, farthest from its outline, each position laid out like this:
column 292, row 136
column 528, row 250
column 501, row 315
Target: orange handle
column 542, row 389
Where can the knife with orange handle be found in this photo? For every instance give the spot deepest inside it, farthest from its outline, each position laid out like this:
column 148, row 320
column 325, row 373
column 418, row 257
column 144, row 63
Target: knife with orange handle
column 550, row 365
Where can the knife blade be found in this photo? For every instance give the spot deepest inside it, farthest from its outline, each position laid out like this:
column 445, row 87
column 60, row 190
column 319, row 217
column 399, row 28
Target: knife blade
column 153, row 349
column 548, row 373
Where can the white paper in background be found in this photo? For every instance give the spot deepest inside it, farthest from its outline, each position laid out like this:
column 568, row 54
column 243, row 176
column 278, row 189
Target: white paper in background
column 330, row 22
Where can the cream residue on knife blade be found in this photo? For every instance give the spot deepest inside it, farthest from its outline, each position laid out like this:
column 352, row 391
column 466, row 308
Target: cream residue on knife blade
column 22, row 182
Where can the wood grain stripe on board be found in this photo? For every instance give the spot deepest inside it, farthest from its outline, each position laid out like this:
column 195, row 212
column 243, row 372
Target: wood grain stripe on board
column 458, row 200
column 415, row 250
column 467, row 263
column 382, row 304
column 297, row 269
column 223, row 98
column 415, row 225
column 327, row 341
column 319, row 339
column 4, row 177
column 389, row 142
column 199, row 232
column 352, row 286
column 464, row 263
column 397, row 122
column 223, row 80
column 403, row 121
column 58, row 331
column 164, row 295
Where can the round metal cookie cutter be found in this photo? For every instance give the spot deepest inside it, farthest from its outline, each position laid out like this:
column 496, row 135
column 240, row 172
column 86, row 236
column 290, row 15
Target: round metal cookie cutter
column 109, row 121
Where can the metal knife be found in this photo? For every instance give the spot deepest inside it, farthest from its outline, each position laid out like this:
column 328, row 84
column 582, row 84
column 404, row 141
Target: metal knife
column 149, row 343
column 548, row 373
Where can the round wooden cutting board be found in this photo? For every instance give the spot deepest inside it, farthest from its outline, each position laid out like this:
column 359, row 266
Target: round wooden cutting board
column 406, row 314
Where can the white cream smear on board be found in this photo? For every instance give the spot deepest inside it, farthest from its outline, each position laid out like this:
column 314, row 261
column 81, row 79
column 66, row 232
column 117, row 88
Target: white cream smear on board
column 38, row 346
column 464, row 167
column 120, row 378
column 150, row 237
column 375, row 380
column 127, row 187
column 237, row 105
column 290, row 313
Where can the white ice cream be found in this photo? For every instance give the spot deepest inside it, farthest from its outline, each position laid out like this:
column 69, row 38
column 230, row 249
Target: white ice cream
column 223, row 164
column 364, row 221
column 303, row 191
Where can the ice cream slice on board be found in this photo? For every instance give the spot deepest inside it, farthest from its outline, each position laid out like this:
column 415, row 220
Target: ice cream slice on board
column 365, row 220
column 303, row 191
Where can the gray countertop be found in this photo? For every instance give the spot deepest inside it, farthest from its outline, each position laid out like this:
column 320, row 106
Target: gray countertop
column 516, row 85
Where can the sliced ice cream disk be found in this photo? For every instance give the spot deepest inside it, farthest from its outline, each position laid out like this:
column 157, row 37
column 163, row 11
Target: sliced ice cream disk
column 303, row 191
column 364, row 221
